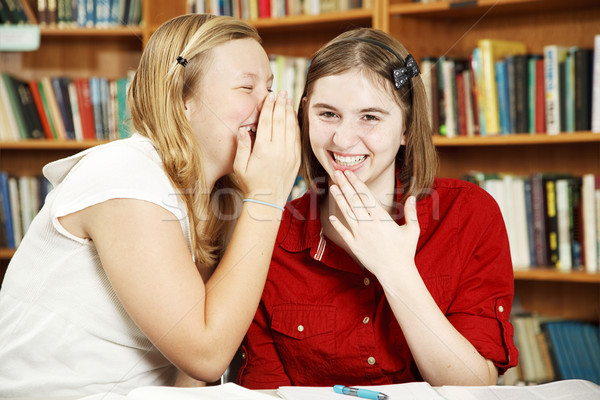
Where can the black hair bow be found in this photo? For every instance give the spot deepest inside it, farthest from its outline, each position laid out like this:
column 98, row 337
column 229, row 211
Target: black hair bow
column 402, row 75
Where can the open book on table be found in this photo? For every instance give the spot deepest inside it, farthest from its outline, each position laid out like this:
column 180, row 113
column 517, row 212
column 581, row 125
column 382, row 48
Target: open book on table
column 573, row 389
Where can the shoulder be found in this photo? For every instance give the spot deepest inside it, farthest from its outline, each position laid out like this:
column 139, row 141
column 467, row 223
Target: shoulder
column 468, row 196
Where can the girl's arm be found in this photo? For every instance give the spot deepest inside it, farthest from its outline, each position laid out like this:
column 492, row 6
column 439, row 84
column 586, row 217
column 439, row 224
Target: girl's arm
column 443, row 355
column 141, row 246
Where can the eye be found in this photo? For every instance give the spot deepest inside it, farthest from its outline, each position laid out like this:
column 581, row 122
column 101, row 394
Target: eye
column 370, row 117
column 328, row 114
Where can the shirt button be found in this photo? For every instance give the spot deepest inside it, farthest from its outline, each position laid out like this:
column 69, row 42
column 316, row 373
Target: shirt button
column 365, row 320
column 367, row 281
column 371, row 360
column 500, row 309
column 300, row 328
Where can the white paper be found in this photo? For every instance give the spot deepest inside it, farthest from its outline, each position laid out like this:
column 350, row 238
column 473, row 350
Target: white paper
column 573, row 389
column 413, row 390
column 227, row 391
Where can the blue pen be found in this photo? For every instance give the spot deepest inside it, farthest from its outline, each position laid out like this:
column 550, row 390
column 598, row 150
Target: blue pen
column 362, row 393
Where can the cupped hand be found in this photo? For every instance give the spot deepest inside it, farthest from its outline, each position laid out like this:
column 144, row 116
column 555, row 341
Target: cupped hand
column 375, row 239
column 267, row 170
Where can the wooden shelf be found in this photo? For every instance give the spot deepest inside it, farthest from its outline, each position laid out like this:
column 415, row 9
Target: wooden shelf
column 470, row 8
column 6, row 254
column 358, row 16
column 553, row 275
column 49, row 145
column 518, row 139
column 118, row 31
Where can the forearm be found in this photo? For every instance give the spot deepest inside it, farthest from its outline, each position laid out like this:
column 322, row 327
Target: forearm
column 442, row 354
column 233, row 291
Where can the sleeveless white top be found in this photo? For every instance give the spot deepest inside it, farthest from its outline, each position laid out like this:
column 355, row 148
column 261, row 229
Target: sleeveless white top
column 62, row 329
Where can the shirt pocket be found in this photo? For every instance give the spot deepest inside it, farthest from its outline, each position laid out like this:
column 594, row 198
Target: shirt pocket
column 304, row 335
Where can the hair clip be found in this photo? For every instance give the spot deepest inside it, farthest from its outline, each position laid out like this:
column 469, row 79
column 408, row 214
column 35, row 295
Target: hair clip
column 182, row 61
column 402, row 75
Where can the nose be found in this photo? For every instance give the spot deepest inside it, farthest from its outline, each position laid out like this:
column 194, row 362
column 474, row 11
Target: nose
column 346, row 135
column 261, row 97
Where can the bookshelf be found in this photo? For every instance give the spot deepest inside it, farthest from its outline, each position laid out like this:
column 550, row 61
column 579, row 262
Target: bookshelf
column 432, row 29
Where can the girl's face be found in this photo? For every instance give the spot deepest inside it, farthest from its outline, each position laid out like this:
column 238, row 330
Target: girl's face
column 231, row 92
column 355, row 124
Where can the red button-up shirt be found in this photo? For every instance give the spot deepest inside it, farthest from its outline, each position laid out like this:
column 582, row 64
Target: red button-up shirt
column 324, row 320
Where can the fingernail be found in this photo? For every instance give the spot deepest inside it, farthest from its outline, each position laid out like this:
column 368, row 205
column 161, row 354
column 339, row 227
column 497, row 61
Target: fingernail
column 412, row 200
column 282, row 93
column 271, row 97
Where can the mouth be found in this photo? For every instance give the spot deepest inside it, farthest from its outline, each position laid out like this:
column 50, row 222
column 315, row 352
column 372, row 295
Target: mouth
column 346, row 161
column 251, row 131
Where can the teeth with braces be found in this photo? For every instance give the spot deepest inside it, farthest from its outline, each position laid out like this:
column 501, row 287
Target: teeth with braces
column 249, row 129
column 348, row 161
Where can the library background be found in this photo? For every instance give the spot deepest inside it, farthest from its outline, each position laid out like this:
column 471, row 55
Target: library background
column 514, row 88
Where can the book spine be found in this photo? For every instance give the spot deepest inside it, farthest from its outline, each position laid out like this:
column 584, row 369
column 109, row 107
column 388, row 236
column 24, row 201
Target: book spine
column 540, row 97
column 583, row 89
column 553, row 57
column 552, row 221
column 539, row 224
column 521, row 95
column 596, row 86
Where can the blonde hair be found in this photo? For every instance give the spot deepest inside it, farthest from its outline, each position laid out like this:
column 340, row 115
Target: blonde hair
column 418, row 159
column 156, row 101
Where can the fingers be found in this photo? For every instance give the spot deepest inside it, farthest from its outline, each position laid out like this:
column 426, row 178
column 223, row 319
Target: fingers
column 264, row 130
column 244, row 147
column 280, row 115
column 357, row 195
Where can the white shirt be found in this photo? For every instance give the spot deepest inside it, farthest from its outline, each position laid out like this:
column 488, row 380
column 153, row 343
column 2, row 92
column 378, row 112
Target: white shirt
column 62, row 329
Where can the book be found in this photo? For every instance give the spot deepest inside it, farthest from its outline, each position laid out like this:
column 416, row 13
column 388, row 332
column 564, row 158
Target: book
column 589, row 211
column 493, row 50
column 517, row 73
column 55, row 113
column 564, row 223
column 596, row 86
column 59, row 85
column 7, row 214
column 47, row 110
column 14, row 103
column 537, row 97
column 86, row 111
column 582, row 85
column 37, row 99
column 554, row 57
column 574, row 389
column 503, row 99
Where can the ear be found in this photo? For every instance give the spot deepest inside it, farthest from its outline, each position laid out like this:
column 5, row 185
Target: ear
column 403, row 141
column 187, row 109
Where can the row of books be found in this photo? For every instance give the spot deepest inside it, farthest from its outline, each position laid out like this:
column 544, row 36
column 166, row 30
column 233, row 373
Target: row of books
column 80, row 13
column 503, row 89
column 61, row 108
column 552, row 220
column 72, row 13
column 21, row 198
column 551, row 349
column 289, row 73
column 254, row 9
column 16, row 12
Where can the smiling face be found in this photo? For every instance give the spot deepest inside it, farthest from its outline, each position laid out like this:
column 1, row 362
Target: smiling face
column 236, row 79
column 355, row 124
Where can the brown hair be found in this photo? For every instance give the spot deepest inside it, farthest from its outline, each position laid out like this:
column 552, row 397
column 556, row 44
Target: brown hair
column 417, row 160
column 156, row 99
